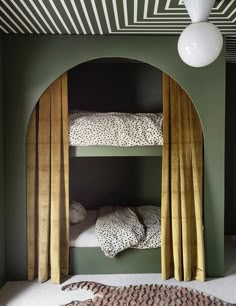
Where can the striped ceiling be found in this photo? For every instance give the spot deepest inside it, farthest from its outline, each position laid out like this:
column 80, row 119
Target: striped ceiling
column 157, row 17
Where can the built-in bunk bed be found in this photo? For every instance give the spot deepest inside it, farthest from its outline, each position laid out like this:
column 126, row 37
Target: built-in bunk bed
column 120, row 236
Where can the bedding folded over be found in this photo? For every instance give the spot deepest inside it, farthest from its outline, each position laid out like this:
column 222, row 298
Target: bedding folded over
column 150, row 217
column 115, row 129
column 119, row 228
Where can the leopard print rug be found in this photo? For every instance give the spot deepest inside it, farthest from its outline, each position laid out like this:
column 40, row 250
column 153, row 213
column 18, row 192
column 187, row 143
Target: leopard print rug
column 142, row 295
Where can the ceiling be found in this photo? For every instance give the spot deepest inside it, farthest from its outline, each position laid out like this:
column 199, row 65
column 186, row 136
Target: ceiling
column 147, row 17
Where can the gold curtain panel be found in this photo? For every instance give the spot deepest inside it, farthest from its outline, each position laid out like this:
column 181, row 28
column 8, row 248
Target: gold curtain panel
column 182, row 250
column 47, row 185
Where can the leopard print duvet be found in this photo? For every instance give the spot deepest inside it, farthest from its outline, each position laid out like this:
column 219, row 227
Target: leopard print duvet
column 115, row 129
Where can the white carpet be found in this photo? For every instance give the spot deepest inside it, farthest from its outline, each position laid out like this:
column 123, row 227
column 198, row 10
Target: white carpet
column 35, row 294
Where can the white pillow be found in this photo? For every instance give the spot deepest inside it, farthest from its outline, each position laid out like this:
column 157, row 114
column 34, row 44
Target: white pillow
column 77, row 212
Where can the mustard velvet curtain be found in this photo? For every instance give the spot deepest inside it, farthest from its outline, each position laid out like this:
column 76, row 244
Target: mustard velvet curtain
column 182, row 250
column 47, row 185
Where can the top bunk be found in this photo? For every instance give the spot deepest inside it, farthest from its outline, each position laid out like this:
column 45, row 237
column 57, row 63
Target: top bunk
column 120, row 86
column 93, row 134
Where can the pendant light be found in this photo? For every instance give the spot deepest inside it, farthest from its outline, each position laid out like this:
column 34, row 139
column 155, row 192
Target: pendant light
column 201, row 42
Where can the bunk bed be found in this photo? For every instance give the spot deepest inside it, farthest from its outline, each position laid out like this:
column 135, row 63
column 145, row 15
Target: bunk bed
column 86, row 256
column 47, row 182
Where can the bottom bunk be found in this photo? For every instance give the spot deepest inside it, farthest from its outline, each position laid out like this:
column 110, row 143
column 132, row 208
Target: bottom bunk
column 113, row 240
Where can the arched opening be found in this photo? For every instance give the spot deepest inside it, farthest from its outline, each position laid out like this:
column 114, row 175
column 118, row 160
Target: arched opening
column 129, row 177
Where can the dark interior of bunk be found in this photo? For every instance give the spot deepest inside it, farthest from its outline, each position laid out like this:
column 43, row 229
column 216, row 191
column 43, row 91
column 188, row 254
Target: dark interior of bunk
column 113, row 176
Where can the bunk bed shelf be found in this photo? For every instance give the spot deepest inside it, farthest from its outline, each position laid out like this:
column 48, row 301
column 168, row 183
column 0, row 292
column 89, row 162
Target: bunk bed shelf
column 112, row 151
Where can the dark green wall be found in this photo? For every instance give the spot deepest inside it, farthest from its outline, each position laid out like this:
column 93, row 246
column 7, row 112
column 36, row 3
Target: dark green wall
column 115, row 86
column 32, row 63
column 230, row 151
column 2, row 208
column 115, row 180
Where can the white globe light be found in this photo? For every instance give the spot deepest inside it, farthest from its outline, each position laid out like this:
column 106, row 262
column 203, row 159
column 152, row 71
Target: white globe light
column 200, row 44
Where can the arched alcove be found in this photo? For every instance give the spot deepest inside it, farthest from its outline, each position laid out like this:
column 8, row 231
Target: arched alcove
column 40, row 60
column 114, row 85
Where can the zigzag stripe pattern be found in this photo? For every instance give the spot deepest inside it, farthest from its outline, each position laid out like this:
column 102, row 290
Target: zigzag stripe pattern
column 152, row 17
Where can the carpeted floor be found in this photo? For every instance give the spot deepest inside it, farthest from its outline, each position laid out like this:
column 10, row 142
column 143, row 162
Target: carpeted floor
column 47, row 294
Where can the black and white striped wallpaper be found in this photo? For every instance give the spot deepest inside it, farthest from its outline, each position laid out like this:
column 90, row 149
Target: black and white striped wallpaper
column 157, row 17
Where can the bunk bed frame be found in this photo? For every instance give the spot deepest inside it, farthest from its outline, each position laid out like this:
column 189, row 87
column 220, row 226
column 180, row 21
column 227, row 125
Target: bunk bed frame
column 106, row 151
column 91, row 260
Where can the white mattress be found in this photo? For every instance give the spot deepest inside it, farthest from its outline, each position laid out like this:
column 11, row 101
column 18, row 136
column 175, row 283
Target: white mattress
column 84, row 234
column 115, row 129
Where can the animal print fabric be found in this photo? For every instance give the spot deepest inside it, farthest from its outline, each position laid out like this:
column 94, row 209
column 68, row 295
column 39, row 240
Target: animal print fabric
column 142, row 295
column 150, row 217
column 119, row 228
column 115, row 129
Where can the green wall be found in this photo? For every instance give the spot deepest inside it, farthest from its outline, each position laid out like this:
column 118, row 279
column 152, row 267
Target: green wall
column 2, row 208
column 32, row 63
column 230, row 151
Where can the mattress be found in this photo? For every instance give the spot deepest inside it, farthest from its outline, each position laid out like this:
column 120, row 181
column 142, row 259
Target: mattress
column 115, row 129
column 84, row 234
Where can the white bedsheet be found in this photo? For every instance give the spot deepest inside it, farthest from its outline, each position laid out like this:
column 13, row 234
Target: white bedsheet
column 84, row 234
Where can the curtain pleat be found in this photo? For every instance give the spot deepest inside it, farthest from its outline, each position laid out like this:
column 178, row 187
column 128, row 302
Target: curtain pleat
column 182, row 221
column 31, row 194
column 44, row 188
column 47, row 194
column 65, row 236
